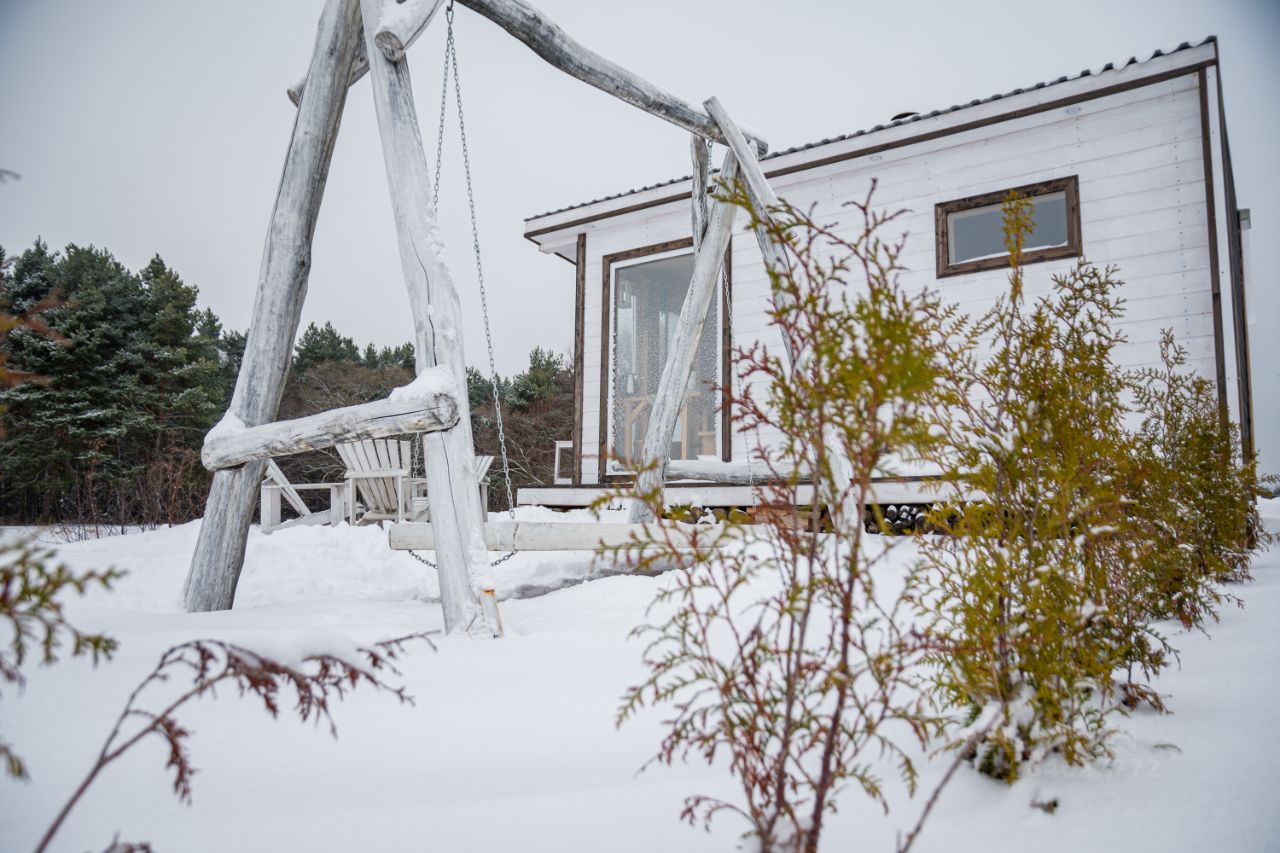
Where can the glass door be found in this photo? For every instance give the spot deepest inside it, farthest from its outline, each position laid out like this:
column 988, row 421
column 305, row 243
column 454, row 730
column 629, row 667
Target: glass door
column 647, row 298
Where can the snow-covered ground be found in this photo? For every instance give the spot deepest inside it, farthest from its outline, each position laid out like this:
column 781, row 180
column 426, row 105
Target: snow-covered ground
column 512, row 747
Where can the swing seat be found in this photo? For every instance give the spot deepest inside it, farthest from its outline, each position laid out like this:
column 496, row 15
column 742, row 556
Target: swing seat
column 536, row 535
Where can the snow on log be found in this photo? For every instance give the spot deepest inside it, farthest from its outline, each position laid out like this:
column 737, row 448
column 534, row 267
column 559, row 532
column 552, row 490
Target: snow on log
column 400, row 24
column 673, row 384
column 427, row 408
column 541, row 35
column 282, row 286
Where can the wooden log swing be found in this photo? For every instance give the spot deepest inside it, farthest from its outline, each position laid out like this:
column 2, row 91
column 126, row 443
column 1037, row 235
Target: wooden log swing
column 359, row 37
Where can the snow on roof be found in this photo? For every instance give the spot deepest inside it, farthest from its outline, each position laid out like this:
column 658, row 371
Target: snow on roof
column 914, row 117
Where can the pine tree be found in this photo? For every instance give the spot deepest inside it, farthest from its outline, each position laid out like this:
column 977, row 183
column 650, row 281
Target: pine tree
column 132, row 377
column 318, row 344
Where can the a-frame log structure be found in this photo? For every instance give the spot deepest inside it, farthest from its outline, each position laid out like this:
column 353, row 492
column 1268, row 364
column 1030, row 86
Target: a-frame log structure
column 282, row 286
column 359, row 37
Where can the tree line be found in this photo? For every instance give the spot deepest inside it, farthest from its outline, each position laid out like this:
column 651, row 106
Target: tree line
column 126, row 373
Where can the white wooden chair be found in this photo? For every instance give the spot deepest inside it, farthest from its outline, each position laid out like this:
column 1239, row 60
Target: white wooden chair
column 376, row 472
column 275, row 485
column 563, row 449
column 419, row 506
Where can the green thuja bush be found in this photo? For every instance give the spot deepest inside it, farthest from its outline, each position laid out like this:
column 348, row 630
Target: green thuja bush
column 1194, row 490
column 1078, row 531
column 775, row 646
column 1019, row 597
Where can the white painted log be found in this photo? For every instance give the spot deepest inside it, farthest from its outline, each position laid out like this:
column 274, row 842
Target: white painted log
column 674, row 383
column 282, row 285
column 433, row 298
column 398, row 33
column 761, row 195
column 701, row 157
column 541, row 535
column 359, row 68
column 411, row 413
column 764, row 201
column 546, row 39
column 400, row 24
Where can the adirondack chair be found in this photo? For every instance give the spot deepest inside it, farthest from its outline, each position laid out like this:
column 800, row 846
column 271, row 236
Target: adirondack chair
column 275, row 485
column 419, row 508
column 376, row 473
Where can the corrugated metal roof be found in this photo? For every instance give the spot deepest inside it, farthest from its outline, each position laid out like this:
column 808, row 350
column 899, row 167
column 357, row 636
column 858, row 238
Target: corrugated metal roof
column 1110, row 66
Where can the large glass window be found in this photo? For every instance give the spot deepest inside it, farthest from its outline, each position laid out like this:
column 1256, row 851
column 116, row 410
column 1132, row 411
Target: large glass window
column 647, row 298
column 971, row 230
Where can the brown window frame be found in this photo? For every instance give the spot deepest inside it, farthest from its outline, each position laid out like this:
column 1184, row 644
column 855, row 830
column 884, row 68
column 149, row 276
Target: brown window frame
column 1074, row 248
column 726, row 341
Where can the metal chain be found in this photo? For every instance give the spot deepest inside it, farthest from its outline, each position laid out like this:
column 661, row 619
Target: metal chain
column 451, row 65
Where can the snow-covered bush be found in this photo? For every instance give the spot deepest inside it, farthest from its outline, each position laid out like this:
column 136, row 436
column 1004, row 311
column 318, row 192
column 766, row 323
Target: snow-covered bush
column 784, row 654
column 1018, row 597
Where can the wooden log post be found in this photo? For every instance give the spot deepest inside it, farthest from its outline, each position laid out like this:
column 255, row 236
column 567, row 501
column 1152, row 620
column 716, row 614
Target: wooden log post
column 759, row 192
column 674, row 383
column 456, row 514
column 764, row 201
column 399, row 414
column 700, row 155
column 401, row 23
column 359, row 68
column 282, row 285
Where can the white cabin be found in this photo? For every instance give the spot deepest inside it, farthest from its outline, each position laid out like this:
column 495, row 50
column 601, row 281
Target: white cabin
column 1128, row 165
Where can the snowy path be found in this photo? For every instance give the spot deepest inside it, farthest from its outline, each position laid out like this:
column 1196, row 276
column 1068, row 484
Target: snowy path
column 512, row 745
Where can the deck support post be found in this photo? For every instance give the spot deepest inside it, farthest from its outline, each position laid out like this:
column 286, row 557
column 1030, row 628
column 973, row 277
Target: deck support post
column 456, row 515
column 282, row 286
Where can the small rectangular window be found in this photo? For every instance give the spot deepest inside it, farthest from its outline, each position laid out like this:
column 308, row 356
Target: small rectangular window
column 970, row 232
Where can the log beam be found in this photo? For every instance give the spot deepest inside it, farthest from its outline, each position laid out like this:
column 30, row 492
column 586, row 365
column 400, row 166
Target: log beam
column 282, row 286
column 398, row 414
column 669, row 398
column 540, row 34
column 433, row 299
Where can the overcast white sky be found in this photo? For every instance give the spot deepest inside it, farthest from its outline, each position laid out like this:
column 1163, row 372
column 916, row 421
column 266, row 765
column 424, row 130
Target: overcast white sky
column 153, row 126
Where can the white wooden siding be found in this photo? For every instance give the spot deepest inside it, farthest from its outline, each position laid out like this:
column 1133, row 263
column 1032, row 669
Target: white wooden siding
column 1137, row 155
